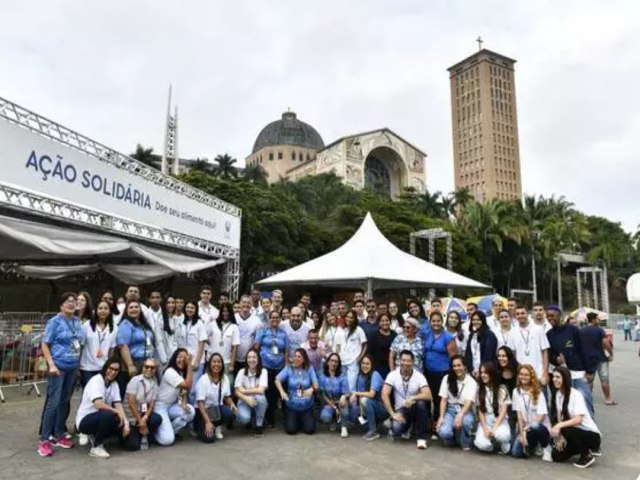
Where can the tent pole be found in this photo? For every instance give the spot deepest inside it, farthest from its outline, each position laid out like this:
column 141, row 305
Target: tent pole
column 369, row 288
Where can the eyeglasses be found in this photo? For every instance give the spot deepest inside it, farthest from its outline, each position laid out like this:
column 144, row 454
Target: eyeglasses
column 149, row 367
column 114, row 369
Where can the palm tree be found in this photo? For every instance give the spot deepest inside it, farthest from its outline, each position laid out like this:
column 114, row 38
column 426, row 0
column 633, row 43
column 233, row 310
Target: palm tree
column 201, row 165
column 225, row 167
column 255, row 173
column 146, row 156
column 461, row 198
column 431, row 204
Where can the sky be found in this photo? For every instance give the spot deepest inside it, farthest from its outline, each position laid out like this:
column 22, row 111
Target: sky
column 103, row 69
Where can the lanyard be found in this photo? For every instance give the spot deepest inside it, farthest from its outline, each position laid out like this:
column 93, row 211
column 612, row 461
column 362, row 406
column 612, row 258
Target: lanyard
column 504, row 337
column 332, row 332
column 70, row 325
column 224, row 330
column 405, row 385
column 219, row 390
column 527, row 404
column 526, row 340
column 101, row 337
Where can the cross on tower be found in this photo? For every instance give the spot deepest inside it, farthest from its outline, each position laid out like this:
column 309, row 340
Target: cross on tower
column 480, row 42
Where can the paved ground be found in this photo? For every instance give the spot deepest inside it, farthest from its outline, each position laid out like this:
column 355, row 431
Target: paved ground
column 324, row 455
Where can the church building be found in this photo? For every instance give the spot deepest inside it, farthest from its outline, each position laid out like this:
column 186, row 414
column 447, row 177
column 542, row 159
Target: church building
column 380, row 159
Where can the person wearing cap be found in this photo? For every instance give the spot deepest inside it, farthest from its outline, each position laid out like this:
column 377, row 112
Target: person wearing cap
column 566, row 350
column 408, row 341
column 598, row 353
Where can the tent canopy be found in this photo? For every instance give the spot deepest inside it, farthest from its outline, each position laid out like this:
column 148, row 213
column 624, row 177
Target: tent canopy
column 23, row 240
column 368, row 260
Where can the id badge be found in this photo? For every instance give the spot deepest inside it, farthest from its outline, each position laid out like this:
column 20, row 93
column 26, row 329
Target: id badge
column 149, row 341
column 143, row 407
column 221, row 343
column 274, row 350
column 75, row 345
column 299, row 392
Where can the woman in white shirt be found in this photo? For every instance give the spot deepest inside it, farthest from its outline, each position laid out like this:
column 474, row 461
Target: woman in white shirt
column 224, row 338
column 330, row 332
column 170, row 325
column 351, row 348
column 457, row 396
column 531, row 407
column 100, row 413
column 192, row 336
column 493, row 404
column 140, row 405
column 100, row 334
column 171, row 399
column 454, row 326
column 574, row 431
column 214, row 401
column 250, row 387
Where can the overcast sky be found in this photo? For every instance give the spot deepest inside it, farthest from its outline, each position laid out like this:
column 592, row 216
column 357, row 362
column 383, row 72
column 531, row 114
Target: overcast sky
column 103, row 68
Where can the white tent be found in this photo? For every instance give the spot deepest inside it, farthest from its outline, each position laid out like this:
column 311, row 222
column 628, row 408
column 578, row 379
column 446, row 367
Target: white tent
column 83, row 252
column 370, row 261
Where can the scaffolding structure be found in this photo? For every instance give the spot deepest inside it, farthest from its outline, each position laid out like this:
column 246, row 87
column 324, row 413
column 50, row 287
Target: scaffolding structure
column 433, row 235
column 598, row 297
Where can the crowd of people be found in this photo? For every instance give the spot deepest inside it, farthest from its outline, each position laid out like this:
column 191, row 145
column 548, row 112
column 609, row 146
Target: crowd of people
column 511, row 382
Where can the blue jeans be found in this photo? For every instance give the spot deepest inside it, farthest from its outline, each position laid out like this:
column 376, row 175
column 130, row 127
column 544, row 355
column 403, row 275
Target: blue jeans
column 226, row 415
column 197, row 373
column 245, row 412
column 416, row 416
column 538, row 434
column 328, row 413
column 582, row 385
column 372, row 410
column 56, row 407
column 448, row 432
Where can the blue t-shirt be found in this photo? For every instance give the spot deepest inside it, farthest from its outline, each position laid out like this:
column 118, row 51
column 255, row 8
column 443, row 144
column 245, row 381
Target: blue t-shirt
column 376, row 384
column 137, row 338
column 334, row 387
column 592, row 337
column 369, row 328
column 436, row 356
column 297, row 380
column 272, row 347
column 65, row 339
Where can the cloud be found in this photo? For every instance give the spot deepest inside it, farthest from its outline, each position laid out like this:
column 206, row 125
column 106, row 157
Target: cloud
column 104, row 68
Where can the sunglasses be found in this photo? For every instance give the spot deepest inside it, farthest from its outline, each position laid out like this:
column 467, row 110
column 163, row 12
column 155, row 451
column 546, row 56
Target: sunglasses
column 149, row 367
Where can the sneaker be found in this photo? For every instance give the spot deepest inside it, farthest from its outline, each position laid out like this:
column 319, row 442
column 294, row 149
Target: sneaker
column 585, row 461
column 596, row 453
column 434, row 437
column 258, row 432
column 45, row 449
column 99, row 452
column 505, row 448
column 83, row 439
column 466, row 449
column 63, row 442
column 406, row 435
column 387, row 424
column 546, row 454
column 219, row 435
column 538, row 451
column 344, row 433
column 371, row 435
column 421, row 444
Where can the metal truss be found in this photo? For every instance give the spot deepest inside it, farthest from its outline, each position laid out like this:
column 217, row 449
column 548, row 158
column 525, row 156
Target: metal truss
column 41, row 205
column 38, row 204
column 598, row 284
column 432, row 235
column 231, row 278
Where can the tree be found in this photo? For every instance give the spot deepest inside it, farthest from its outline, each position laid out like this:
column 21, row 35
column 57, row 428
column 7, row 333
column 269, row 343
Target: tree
column 225, row 167
column 146, row 156
column 201, row 165
column 255, row 173
column 461, row 198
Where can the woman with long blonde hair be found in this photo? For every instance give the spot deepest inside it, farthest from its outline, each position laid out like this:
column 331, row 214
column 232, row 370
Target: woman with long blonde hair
column 533, row 421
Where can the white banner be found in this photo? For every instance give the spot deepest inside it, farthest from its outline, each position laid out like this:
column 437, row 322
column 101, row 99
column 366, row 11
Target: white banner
column 36, row 164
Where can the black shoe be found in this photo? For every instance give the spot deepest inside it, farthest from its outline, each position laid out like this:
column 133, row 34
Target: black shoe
column 259, row 432
column 585, row 461
column 596, row 453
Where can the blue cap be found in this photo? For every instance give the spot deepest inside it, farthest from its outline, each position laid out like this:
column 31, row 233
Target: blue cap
column 555, row 307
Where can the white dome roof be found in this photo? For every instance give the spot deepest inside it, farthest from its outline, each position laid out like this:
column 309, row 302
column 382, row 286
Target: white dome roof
column 633, row 288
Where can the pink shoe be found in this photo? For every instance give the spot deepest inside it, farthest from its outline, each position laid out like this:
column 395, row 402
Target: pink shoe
column 45, row 449
column 63, row 442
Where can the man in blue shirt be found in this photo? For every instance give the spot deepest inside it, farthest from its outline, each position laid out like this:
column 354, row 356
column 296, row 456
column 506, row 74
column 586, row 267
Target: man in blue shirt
column 626, row 325
column 598, row 352
column 370, row 323
column 566, row 350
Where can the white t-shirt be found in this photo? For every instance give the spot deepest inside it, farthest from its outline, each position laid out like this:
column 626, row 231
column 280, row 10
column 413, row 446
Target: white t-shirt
column 168, row 391
column 189, row 336
column 467, row 390
column 502, row 337
column 102, row 340
column 248, row 329
column 212, row 393
column 503, row 399
column 331, row 336
column 171, row 341
column 228, row 336
column 145, row 390
column 251, row 381
column 528, row 344
column 522, row 402
column 576, row 406
column 351, row 345
column 296, row 337
column 403, row 390
column 207, row 314
column 476, row 359
column 94, row 390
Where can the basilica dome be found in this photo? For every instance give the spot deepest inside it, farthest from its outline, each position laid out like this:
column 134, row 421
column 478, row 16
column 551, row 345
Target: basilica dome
column 289, row 131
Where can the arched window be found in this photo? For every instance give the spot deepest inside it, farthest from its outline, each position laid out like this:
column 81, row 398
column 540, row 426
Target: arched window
column 376, row 176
